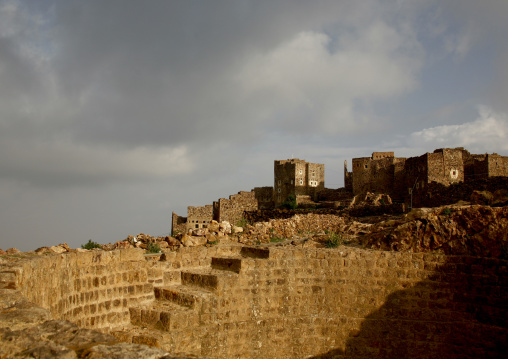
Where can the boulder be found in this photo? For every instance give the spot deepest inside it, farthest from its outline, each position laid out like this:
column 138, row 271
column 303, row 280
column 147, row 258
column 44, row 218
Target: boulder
column 172, row 241
column 199, row 232
column 2, row 253
column 236, row 229
column 213, row 227
column 225, row 227
column 122, row 244
column 57, row 249
column 191, row 241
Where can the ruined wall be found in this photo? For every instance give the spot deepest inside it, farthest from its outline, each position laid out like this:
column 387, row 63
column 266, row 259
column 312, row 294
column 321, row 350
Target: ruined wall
column 199, row 217
column 178, row 224
column 264, row 196
column 232, row 209
column 497, row 165
column 286, row 302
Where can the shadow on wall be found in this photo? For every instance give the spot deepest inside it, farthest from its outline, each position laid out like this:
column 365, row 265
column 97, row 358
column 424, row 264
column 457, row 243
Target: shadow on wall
column 458, row 312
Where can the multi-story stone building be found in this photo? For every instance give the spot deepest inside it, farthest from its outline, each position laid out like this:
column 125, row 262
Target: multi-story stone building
column 400, row 177
column 298, row 178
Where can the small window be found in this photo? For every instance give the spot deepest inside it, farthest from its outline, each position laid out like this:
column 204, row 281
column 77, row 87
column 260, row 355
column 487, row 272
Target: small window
column 300, row 172
column 301, row 182
column 197, row 225
column 366, row 166
column 278, row 190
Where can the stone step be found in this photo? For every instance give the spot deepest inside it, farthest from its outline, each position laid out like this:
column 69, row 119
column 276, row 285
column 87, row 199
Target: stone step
column 208, row 278
column 227, row 263
column 165, row 316
column 255, row 252
column 183, row 295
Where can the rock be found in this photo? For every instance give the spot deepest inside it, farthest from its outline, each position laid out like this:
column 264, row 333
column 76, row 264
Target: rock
column 162, row 244
column 57, row 249
column 122, row 244
column 500, row 197
column 213, row 227
column 2, row 253
column 210, row 238
column 199, row 232
column 236, row 229
column 190, row 241
column 11, row 251
column 172, row 241
column 481, row 197
column 225, row 227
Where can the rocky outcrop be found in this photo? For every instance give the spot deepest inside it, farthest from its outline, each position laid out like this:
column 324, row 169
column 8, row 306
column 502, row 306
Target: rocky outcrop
column 456, row 230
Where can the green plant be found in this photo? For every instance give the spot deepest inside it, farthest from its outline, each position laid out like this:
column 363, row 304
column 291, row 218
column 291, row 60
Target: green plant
column 213, row 243
column 446, row 212
column 91, row 245
column 334, row 240
column 153, row 248
column 277, row 239
column 290, row 202
column 242, row 222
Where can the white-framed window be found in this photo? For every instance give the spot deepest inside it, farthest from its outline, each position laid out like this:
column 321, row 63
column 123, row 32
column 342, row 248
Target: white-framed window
column 300, row 172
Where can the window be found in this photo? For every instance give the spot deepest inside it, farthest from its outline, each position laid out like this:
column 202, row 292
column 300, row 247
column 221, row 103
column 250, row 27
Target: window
column 301, row 182
column 300, row 172
column 278, row 190
column 366, row 166
column 197, row 225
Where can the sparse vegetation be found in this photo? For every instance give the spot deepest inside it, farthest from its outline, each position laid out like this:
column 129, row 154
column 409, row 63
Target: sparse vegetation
column 334, row 240
column 277, row 239
column 289, row 203
column 446, row 211
column 91, row 245
column 153, row 248
column 242, row 222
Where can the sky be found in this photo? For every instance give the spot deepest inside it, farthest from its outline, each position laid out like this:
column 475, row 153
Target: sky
column 115, row 113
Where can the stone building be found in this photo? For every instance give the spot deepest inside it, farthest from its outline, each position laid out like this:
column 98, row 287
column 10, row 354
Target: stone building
column 224, row 209
column 403, row 177
column 298, row 178
column 382, row 172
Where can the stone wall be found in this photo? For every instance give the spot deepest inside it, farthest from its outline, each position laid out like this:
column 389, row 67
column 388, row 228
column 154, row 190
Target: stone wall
column 178, row 224
column 199, row 217
column 282, row 301
column 232, row 209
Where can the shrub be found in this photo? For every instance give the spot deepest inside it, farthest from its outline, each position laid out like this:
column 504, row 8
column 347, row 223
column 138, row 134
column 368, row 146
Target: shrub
column 447, row 211
column 333, row 241
column 290, row 202
column 277, row 239
column 153, row 248
column 242, row 222
column 91, row 245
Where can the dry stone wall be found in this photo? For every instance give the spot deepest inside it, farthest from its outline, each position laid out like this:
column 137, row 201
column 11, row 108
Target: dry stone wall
column 280, row 301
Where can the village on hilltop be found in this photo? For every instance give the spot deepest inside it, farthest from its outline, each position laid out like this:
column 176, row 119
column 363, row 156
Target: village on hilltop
column 410, row 181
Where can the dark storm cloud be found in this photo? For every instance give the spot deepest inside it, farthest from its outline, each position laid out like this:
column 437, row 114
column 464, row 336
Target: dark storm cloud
column 150, row 106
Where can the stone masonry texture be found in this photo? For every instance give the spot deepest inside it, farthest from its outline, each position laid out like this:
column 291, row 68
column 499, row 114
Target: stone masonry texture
column 276, row 301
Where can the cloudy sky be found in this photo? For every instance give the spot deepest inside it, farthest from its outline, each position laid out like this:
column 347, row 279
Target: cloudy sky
column 114, row 113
